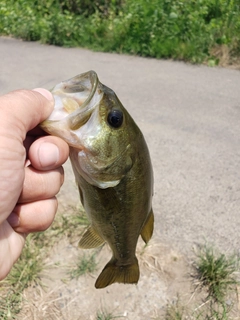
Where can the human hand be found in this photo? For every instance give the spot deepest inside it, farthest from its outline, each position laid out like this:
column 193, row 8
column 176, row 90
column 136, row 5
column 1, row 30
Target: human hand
column 31, row 172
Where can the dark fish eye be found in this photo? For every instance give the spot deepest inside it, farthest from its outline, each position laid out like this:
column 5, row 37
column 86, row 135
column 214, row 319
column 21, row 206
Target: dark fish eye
column 115, row 118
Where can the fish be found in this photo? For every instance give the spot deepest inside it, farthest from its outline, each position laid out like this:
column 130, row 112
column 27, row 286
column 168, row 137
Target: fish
column 113, row 171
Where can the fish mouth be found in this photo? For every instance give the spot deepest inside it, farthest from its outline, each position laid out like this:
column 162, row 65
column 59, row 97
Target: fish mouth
column 87, row 81
column 75, row 100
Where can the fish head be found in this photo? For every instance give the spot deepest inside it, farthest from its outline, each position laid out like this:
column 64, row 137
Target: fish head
column 91, row 119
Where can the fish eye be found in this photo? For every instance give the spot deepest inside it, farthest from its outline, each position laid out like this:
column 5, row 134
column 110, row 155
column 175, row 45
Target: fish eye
column 115, row 118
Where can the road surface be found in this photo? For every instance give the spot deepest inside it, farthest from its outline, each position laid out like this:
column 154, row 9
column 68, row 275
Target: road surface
column 190, row 116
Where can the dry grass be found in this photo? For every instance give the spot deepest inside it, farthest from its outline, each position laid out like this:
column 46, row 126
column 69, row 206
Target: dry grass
column 223, row 57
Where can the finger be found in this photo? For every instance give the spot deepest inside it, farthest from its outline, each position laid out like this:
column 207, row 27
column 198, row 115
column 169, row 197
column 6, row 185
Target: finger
column 48, row 152
column 25, row 109
column 40, row 185
column 11, row 245
column 34, row 216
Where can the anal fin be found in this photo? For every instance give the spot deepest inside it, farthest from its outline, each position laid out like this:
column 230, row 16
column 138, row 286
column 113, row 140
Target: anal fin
column 90, row 239
column 147, row 229
column 118, row 273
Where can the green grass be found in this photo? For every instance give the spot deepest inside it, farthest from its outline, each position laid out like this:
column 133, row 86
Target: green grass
column 105, row 315
column 216, row 272
column 215, row 280
column 85, row 264
column 191, row 30
column 175, row 312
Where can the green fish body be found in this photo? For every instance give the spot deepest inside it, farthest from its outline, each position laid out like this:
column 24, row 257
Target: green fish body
column 113, row 171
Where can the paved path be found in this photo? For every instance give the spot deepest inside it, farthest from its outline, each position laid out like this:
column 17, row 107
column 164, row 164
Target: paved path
column 190, row 116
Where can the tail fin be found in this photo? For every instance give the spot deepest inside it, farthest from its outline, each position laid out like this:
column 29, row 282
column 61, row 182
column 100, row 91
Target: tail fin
column 118, row 273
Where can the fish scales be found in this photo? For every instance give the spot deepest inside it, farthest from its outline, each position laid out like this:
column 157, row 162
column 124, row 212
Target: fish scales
column 113, row 171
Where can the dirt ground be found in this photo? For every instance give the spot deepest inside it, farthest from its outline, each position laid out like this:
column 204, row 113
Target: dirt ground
column 165, row 273
column 167, row 280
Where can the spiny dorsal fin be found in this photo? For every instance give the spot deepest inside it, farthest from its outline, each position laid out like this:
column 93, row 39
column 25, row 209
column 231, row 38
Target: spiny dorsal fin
column 147, row 229
column 90, row 239
column 118, row 273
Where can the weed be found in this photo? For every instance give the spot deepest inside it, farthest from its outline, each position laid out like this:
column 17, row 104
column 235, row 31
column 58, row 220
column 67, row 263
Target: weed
column 104, row 315
column 84, row 265
column 175, row 311
column 70, row 224
column 214, row 311
column 216, row 272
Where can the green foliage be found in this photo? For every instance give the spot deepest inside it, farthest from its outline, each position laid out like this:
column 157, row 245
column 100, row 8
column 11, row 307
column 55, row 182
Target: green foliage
column 84, row 265
column 187, row 30
column 216, row 273
column 89, row 7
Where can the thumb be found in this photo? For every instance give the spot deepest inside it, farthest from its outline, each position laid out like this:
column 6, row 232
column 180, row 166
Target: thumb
column 23, row 110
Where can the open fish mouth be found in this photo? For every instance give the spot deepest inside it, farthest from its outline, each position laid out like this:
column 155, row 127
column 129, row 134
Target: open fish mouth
column 91, row 119
column 75, row 100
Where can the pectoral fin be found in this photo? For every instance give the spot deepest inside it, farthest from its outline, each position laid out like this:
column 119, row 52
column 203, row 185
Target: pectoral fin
column 90, row 239
column 147, row 229
column 118, row 273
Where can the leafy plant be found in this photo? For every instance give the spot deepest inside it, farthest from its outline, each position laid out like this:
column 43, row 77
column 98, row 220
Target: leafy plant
column 216, row 272
column 194, row 30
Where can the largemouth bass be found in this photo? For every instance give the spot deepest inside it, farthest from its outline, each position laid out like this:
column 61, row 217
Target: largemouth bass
column 113, row 171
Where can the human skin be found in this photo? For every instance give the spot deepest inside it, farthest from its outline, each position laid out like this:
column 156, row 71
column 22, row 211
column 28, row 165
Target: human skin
column 31, row 172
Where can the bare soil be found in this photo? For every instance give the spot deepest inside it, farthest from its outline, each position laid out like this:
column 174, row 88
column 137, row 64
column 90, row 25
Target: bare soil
column 165, row 273
column 167, row 280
